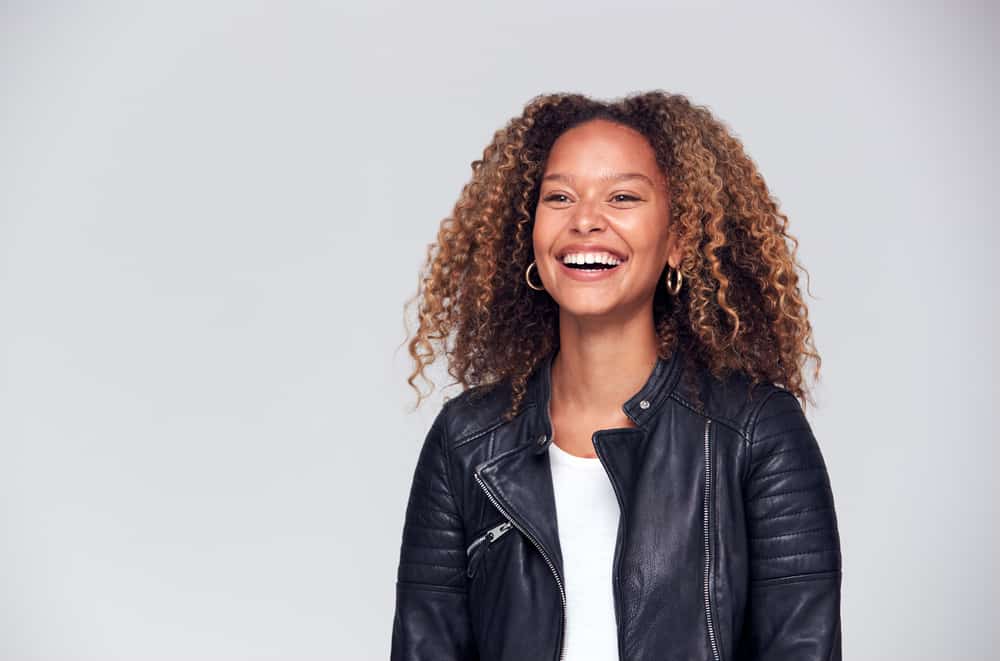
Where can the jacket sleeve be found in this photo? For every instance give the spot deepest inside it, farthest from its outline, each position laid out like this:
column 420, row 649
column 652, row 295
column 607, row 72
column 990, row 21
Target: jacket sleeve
column 431, row 620
column 794, row 544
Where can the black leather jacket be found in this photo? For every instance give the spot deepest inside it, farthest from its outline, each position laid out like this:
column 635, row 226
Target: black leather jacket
column 727, row 547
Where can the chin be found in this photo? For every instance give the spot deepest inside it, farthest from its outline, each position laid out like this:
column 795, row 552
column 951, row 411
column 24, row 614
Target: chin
column 589, row 309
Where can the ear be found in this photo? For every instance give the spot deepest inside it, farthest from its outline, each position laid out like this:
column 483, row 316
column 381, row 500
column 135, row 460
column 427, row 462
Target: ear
column 674, row 259
column 674, row 252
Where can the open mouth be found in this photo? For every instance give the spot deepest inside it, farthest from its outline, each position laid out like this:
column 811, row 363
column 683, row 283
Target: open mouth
column 591, row 267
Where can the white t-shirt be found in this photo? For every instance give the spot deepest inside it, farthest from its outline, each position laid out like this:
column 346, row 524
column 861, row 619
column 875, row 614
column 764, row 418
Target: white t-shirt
column 587, row 516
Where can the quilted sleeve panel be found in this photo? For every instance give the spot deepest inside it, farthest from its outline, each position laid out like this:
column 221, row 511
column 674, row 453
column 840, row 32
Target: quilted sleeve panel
column 794, row 543
column 431, row 618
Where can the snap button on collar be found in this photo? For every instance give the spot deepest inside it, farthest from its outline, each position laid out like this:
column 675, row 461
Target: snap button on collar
column 644, row 404
column 541, row 444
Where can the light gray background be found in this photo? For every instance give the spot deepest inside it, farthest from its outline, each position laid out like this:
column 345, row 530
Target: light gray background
column 211, row 214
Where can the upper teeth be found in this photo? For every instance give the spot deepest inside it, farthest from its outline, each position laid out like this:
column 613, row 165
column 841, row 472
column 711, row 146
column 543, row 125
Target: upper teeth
column 590, row 258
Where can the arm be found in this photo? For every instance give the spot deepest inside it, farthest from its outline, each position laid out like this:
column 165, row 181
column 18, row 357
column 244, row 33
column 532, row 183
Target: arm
column 794, row 544
column 431, row 620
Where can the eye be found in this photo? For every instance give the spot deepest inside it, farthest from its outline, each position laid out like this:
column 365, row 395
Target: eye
column 628, row 198
column 552, row 198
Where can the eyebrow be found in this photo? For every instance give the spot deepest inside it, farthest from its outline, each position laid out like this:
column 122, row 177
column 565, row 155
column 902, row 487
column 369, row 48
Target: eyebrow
column 608, row 177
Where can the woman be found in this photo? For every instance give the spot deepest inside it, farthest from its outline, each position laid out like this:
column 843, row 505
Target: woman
column 629, row 473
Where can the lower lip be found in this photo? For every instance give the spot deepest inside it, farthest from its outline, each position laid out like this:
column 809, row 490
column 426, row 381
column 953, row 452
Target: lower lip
column 584, row 275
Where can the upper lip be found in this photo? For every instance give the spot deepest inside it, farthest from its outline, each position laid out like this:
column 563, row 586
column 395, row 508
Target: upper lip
column 589, row 247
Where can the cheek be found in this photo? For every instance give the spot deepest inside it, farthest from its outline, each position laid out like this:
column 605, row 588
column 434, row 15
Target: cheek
column 543, row 232
column 650, row 253
column 655, row 238
column 647, row 241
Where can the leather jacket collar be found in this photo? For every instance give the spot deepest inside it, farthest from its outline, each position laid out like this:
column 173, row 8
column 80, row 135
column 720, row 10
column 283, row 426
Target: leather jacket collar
column 640, row 408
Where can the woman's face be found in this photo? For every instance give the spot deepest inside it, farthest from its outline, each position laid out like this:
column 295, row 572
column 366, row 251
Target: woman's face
column 603, row 199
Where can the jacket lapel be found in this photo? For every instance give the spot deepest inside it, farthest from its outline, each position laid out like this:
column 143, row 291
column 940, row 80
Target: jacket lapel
column 520, row 481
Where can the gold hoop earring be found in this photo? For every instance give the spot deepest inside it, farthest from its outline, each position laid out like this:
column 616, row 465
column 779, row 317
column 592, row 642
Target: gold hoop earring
column 675, row 288
column 527, row 276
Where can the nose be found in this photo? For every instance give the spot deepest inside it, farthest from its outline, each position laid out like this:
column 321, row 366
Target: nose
column 587, row 216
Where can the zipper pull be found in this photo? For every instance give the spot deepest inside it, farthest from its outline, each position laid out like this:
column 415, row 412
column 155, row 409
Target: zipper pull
column 476, row 556
column 495, row 533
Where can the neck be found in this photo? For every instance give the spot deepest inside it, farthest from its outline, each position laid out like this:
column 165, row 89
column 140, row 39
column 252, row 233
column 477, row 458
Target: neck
column 600, row 366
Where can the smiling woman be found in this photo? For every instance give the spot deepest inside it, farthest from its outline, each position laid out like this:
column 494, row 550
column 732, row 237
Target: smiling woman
column 616, row 290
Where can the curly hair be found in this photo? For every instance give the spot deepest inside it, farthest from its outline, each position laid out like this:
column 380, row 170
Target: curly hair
column 740, row 308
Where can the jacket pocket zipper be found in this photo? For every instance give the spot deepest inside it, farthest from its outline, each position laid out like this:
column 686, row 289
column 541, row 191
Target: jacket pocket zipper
column 489, row 537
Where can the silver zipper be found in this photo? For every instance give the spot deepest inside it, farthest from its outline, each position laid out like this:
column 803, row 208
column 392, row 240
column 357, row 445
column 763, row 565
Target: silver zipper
column 708, row 489
column 491, row 536
column 555, row 574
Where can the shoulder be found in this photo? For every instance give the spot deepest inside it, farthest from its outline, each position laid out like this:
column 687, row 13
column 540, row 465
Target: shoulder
column 476, row 411
column 735, row 401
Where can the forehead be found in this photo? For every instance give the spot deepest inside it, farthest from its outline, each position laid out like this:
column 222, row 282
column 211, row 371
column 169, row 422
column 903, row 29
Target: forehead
column 599, row 147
